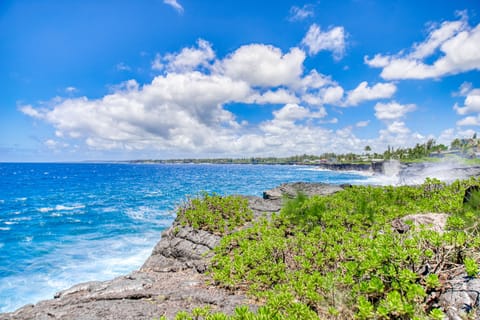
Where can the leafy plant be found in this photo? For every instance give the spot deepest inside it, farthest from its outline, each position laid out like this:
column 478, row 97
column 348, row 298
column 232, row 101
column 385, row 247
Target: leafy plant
column 471, row 267
column 338, row 256
column 215, row 213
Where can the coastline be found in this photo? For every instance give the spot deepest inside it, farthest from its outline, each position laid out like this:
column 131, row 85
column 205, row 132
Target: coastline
column 171, row 280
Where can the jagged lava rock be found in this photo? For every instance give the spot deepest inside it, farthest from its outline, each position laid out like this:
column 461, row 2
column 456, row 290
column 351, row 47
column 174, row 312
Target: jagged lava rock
column 290, row 190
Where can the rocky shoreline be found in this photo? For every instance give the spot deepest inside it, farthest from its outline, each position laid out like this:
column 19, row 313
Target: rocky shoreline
column 173, row 278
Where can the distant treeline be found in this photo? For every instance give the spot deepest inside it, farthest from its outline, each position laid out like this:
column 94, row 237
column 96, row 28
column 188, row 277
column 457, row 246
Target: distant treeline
column 460, row 147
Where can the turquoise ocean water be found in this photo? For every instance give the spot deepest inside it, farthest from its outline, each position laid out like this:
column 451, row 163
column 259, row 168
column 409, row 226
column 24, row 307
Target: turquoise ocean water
column 61, row 224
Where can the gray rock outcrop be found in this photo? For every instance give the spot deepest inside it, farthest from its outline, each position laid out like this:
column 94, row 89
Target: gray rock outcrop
column 462, row 298
column 171, row 280
column 290, row 190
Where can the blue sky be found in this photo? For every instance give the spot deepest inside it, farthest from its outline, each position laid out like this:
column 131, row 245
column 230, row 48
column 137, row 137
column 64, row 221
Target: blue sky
column 123, row 79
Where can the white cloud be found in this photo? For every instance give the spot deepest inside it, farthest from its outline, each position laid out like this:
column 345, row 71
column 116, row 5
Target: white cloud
column 332, row 40
column 280, row 96
column 297, row 13
column 71, row 89
column 291, row 112
column 32, row 112
column 190, row 58
column 392, row 110
column 363, row 93
column 184, row 111
column 398, row 127
column 157, row 63
column 469, row 121
column 362, row 124
column 471, row 103
column 174, row 4
column 174, row 111
column 263, row 65
column 329, row 95
column 456, row 43
column 315, row 80
column 122, row 67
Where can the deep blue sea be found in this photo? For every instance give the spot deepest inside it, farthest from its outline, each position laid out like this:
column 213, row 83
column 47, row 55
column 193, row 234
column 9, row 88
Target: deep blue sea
column 61, row 224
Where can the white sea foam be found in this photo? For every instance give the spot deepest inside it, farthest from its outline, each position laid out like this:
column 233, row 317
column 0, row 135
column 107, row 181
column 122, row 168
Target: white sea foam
column 4, row 228
column 145, row 213
column 21, row 199
column 61, row 207
column 74, row 261
column 68, row 208
column 413, row 174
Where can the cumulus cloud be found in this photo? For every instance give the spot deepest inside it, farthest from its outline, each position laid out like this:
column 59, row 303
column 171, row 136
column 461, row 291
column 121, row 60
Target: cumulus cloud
column 176, row 110
column 297, row 13
column 328, row 95
column 263, row 65
column 315, row 80
column 187, row 59
column 280, row 96
column 363, row 93
column 331, row 40
column 469, row 121
column 174, row 4
column 392, row 110
column 455, row 42
column 472, row 100
column 184, row 110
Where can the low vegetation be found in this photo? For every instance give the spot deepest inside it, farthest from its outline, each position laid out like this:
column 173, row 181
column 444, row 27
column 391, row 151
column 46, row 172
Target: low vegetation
column 215, row 213
column 338, row 257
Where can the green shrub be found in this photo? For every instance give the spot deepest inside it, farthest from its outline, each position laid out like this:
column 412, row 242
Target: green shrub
column 215, row 213
column 337, row 256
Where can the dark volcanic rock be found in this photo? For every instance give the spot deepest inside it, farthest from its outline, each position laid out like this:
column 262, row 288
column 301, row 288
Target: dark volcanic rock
column 140, row 295
column 290, row 190
column 171, row 280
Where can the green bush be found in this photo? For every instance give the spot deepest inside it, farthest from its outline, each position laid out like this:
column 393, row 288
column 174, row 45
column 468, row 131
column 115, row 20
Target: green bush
column 338, row 256
column 215, row 213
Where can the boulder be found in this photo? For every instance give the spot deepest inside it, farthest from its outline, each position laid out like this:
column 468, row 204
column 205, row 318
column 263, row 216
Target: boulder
column 430, row 221
column 461, row 299
column 290, row 190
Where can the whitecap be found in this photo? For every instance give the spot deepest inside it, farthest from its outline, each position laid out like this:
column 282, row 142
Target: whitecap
column 68, row 208
column 46, row 209
column 21, row 199
column 10, row 222
column 4, row 228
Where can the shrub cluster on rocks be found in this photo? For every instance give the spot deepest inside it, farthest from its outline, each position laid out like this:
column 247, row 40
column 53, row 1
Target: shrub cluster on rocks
column 339, row 256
